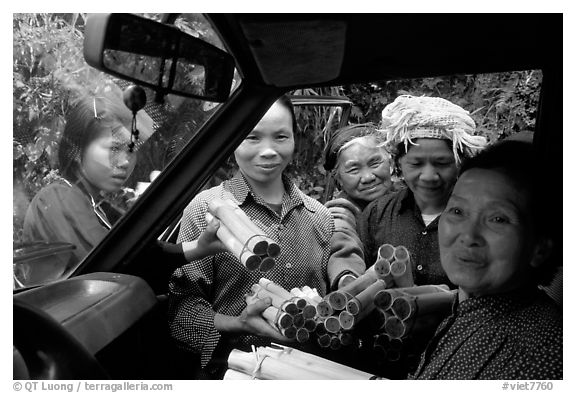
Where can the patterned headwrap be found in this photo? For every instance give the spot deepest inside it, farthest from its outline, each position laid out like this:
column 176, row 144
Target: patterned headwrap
column 409, row 118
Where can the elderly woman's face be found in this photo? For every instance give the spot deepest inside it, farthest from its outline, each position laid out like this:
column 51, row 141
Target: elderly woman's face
column 364, row 171
column 106, row 162
column 486, row 241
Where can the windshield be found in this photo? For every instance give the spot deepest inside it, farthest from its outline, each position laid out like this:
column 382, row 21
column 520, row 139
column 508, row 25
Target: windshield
column 81, row 159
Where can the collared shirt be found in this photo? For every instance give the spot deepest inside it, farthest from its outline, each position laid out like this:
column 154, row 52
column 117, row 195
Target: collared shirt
column 218, row 284
column 507, row 336
column 63, row 212
column 396, row 219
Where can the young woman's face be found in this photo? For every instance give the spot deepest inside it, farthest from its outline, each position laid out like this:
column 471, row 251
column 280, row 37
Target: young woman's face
column 268, row 149
column 485, row 237
column 106, row 162
column 363, row 171
column 430, row 171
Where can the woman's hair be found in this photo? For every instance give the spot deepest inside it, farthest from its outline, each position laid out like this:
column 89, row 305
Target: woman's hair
column 287, row 103
column 518, row 161
column 84, row 122
column 343, row 137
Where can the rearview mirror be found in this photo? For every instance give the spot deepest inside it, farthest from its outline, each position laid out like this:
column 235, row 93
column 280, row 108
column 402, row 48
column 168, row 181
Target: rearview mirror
column 157, row 56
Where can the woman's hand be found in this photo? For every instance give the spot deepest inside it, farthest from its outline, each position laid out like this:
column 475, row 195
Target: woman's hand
column 207, row 244
column 208, row 239
column 250, row 322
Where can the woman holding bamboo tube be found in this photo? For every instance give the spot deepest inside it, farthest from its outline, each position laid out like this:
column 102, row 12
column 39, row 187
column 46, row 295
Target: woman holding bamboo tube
column 361, row 170
column 496, row 244
column 428, row 137
column 207, row 311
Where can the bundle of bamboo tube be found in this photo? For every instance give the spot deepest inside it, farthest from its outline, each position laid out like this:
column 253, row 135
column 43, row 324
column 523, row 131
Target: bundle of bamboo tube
column 242, row 237
column 392, row 269
column 408, row 310
column 292, row 313
column 287, row 363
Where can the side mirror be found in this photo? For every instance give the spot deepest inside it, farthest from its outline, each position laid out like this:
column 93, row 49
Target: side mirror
column 157, row 56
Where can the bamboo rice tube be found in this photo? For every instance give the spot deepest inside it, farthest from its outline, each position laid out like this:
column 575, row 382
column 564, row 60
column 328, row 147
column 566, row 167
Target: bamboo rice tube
column 438, row 302
column 348, row 296
column 424, row 289
column 402, row 273
column 302, row 335
column 297, row 292
column 337, row 300
column 300, row 302
column 309, row 311
column 332, row 324
column 284, row 320
column 360, row 283
column 267, row 264
column 311, row 296
column 270, row 368
column 246, row 257
column 233, row 375
column 277, row 301
column 335, row 343
column 374, row 321
column 298, row 321
column 278, row 319
column 324, row 340
column 404, row 307
column 346, row 320
column 312, row 293
column 262, row 293
column 386, row 252
column 347, row 339
column 248, row 234
column 331, row 369
column 320, row 328
column 353, row 306
column 383, row 299
column 395, row 327
column 382, row 270
column 366, row 298
column 401, row 254
column 382, row 341
column 289, row 332
column 324, row 309
column 310, row 325
column 273, row 249
column 274, row 288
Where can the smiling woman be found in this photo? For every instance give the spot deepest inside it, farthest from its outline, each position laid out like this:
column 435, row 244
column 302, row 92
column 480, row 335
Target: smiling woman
column 495, row 244
column 207, row 311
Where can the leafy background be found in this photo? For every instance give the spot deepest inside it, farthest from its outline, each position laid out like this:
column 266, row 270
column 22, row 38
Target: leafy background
column 49, row 71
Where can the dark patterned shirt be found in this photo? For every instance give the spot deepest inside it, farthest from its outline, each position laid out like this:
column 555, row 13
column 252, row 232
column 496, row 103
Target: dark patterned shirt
column 396, row 219
column 508, row 336
column 218, row 284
